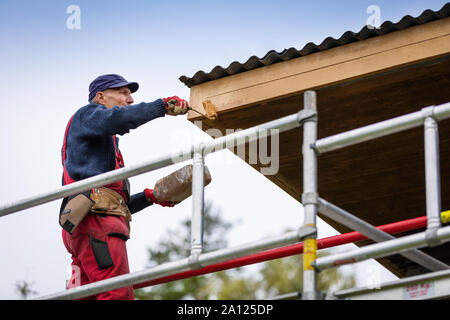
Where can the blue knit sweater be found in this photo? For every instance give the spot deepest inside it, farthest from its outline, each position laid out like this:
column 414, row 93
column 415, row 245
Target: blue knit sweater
column 90, row 146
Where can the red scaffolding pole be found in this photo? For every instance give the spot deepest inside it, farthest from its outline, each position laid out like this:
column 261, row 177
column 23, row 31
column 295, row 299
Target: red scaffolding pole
column 392, row 228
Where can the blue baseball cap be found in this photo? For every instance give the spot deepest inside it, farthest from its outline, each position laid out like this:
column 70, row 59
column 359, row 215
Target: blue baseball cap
column 109, row 81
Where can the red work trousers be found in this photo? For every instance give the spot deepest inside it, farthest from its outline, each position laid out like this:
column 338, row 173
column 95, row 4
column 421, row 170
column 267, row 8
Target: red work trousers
column 98, row 249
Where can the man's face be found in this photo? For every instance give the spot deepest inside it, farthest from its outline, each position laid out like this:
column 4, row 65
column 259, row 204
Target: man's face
column 120, row 97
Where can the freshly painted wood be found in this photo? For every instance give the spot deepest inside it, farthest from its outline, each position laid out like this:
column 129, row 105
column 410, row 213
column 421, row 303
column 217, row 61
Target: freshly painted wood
column 324, row 68
column 380, row 181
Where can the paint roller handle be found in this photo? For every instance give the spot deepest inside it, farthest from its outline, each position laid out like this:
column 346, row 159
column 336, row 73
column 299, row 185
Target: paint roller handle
column 192, row 109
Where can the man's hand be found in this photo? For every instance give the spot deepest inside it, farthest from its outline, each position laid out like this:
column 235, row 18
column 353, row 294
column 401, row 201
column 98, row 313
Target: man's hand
column 150, row 196
column 175, row 106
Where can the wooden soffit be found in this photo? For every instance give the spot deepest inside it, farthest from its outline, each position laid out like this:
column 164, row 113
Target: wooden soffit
column 357, row 84
column 325, row 68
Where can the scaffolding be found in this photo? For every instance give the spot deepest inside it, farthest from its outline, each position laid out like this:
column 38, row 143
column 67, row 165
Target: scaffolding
column 304, row 240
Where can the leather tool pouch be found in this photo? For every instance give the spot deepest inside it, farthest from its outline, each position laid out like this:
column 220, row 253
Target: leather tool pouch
column 73, row 210
column 98, row 200
column 107, row 201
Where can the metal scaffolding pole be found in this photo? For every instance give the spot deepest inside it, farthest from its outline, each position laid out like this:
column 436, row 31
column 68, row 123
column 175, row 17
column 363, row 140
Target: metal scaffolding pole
column 381, row 249
column 432, row 177
column 263, row 250
column 198, row 182
column 347, row 219
column 308, row 232
column 282, row 124
column 381, row 129
column 434, row 285
column 173, row 267
column 328, row 242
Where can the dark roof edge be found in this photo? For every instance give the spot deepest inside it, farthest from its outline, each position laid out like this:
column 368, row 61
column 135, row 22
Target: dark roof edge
column 273, row 56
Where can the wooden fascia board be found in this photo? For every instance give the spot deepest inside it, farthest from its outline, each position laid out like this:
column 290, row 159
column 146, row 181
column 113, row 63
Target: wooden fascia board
column 321, row 69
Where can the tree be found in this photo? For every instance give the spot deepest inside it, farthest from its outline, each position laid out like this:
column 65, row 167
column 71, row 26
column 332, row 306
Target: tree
column 175, row 246
column 24, row 289
column 275, row 277
column 285, row 275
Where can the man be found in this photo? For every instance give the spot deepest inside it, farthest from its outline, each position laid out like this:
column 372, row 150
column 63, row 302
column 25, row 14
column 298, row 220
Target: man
column 97, row 243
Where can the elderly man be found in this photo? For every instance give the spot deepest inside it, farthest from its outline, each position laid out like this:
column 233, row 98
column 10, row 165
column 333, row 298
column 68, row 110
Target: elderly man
column 91, row 147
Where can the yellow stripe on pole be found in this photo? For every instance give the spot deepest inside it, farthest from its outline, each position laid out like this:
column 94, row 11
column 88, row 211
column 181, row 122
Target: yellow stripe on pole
column 309, row 253
column 445, row 216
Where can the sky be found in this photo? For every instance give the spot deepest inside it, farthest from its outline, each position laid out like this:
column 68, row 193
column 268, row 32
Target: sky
column 46, row 69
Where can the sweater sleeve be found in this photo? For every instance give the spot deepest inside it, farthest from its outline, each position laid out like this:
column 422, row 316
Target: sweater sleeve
column 138, row 202
column 100, row 120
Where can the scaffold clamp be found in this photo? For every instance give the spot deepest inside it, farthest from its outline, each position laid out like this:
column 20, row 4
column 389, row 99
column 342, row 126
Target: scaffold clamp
column 307, row 231
column 428, row 112
column 306, row 114
column 431, row 237
column 310, row 198
column 194, row 262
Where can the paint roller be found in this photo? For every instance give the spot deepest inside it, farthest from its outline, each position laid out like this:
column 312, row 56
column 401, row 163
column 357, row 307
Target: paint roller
column 210, row 109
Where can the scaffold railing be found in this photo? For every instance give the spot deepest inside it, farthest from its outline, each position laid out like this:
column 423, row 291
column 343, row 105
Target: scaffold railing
column 434, row 235
column 199, row 262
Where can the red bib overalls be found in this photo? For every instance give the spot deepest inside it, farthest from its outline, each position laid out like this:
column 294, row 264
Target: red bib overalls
column 98, row 245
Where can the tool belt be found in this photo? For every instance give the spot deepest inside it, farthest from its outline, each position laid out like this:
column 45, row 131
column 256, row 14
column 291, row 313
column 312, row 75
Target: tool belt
column 97, row 200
